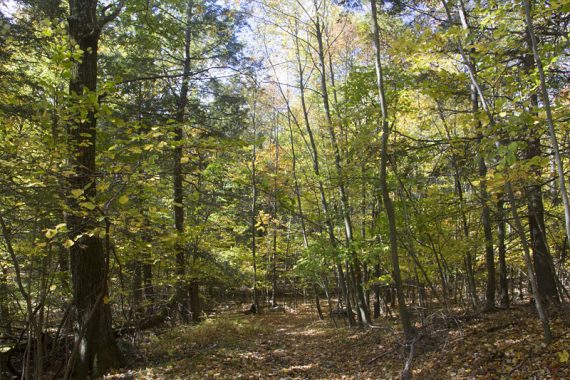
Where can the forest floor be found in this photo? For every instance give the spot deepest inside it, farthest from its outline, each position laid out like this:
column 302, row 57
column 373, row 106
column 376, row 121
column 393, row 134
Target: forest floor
column 504, row 344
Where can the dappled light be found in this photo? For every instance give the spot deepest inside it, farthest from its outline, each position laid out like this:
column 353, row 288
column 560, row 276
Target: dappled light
column 284, row 189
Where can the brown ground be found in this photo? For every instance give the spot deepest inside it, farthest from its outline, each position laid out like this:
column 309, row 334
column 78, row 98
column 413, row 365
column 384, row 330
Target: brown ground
column 295, row 345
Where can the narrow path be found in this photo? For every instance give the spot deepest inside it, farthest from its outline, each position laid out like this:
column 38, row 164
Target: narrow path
column 295, row 345
column 268, row 346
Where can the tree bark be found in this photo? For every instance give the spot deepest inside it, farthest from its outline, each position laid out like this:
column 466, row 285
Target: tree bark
column 543, row 264
column 88, row 258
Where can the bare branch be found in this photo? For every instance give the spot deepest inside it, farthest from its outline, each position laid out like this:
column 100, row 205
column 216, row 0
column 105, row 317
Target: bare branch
column 108, row 17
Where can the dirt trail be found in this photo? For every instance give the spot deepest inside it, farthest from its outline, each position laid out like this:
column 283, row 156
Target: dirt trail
column 295, row 345
column 268, row 346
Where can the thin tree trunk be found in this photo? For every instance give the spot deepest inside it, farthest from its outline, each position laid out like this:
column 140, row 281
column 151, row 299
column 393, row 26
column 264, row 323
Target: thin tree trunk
column 178, row 176
column 323, row 199
column 5, row 319
column 486, row 220
column 465, row 227
column 403, row 310
column 364, row 313
column 518, row 224
column 484, row 195
column 531, row 275
column 148, row 287
column 137, row 289
column 274, row 220
column 502, row 251
column 253, row 215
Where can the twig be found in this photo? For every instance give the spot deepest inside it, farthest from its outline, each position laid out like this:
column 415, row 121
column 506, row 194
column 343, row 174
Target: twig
column 381, row 355
column 518, row 366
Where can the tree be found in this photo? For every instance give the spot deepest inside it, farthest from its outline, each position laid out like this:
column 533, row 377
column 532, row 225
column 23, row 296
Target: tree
column 95, row 348
column 387, row 201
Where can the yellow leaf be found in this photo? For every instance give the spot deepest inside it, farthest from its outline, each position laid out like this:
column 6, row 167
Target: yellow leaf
column 103, row 186
column 77, row 192
column 88, row 205
column 106, row 300
column 50, row 233
column 563, row 356
column 184, row 159
column 68, row 243
column 123, row 199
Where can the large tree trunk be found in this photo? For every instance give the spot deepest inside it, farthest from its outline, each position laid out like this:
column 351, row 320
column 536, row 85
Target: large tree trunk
column 98, row 351
column 542, row 260
column 549, row 118
column 543, row 265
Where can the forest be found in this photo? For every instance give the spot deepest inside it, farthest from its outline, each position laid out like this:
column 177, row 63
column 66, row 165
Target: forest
column 294, row 189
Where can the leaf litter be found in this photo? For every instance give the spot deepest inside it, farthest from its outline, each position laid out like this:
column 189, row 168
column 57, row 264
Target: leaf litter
column 505, row 344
